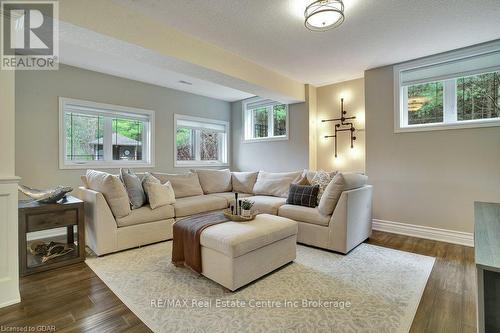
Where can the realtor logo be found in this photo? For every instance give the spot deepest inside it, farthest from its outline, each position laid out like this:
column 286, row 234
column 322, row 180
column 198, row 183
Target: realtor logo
column 30, row 35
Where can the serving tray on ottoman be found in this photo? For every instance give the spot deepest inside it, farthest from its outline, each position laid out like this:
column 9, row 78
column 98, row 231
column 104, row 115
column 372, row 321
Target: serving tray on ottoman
column 234, row 254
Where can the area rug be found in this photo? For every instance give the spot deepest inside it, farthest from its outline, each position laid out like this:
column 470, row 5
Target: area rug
column 372, row 289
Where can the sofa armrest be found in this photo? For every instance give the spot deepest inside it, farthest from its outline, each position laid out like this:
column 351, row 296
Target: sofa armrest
column 351, row 222
column 100, row 224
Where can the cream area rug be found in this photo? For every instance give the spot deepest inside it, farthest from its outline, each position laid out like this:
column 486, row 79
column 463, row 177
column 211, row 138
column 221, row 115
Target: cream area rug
column 372, row 289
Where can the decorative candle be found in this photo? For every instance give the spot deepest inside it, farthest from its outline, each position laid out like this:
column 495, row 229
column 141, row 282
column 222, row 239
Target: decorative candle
column 236, row 203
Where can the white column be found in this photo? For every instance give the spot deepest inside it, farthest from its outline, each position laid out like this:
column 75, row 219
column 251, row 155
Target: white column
column 9, row 263
column 312, row 105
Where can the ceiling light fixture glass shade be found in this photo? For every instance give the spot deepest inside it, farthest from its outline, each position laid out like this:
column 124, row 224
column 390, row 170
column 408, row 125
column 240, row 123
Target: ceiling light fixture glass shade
column 323, row 15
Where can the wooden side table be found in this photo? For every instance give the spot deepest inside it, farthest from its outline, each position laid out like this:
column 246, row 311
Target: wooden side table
column 34, row 216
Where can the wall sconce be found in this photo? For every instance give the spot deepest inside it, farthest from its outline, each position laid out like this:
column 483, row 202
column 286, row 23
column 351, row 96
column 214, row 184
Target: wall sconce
column 342, row 126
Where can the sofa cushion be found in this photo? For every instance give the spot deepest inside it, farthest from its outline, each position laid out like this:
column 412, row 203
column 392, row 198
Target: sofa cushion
column 214, row 181
column 303, row 195
column 158, row 194
column 198, row 204
column 229, row 196
column 275, row 183
column 113, row 190
column 304, row 214
column 243, row 182
column 266, row 204
column 184, row 185
column 340, row 183
column 133, row 185
column 145, row 214
column 236, row 239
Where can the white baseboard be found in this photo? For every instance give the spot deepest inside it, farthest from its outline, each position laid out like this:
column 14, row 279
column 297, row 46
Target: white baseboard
column 10, row 302
column 442, row 235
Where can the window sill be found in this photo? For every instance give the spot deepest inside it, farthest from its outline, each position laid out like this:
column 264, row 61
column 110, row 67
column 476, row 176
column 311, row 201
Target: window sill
column 450, row 126
column 83, row 166
column 199, row 164
column 275, row 138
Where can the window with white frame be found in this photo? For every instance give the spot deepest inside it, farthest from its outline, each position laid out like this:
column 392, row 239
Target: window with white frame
column 458, row 90
column 200, row 141
column 103, row 135
column 264, row 119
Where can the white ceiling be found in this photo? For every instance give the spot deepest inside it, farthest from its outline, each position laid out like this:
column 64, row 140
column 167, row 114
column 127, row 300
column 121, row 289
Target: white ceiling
column 375, row 33
column 83, row 48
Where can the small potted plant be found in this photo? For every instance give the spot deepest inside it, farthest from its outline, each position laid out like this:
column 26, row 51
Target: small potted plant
column 246, row 206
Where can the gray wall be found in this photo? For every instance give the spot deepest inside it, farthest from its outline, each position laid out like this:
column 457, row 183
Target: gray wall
column 274, row 156
column 37, row 92
column 429, row 178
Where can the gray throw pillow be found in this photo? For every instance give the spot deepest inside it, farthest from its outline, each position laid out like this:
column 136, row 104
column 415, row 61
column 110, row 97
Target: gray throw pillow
column 133, row 184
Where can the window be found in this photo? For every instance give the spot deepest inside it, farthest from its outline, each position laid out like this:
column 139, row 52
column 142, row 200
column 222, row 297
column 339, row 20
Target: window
column 200, row 141
column 102, row 135
column 264, row 119
column 452, row 91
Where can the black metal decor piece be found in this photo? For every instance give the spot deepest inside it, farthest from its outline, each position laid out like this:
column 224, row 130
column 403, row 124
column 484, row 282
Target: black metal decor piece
column 342, row 126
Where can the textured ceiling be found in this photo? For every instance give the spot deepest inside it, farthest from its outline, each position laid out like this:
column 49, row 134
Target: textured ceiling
column 375, row 32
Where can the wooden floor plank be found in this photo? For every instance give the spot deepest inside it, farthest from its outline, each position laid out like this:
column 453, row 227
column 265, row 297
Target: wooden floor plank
column 74, row 299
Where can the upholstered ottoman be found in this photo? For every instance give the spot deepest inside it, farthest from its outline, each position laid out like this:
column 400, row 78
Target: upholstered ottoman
column 234, row 254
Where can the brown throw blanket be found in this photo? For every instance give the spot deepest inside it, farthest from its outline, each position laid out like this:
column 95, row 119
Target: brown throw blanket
column 186, row 247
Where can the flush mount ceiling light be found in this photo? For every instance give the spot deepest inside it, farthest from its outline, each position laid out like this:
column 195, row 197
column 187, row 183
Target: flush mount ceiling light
column 323, row 15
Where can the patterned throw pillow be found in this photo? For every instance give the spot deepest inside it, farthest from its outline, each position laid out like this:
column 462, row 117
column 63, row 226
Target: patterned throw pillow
column 322, row 179
column 303, row 195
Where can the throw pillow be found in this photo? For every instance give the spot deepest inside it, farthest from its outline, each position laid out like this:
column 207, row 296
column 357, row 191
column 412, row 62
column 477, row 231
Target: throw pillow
column 322, row 179
column 303, row 195
column 158, row 194
column 184, row 185
column 311, row 173
column 133, row 185
column 340, row 183
column 112, row 189
column 214, row 181
column 275, row 184
column 243, row 182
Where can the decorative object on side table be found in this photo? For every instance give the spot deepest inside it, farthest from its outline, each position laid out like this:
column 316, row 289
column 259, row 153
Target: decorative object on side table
column 41, row 255
column 51, row 195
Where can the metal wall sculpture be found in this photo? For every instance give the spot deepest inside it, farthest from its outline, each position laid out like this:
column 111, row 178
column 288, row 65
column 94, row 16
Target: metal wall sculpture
column 342, row 125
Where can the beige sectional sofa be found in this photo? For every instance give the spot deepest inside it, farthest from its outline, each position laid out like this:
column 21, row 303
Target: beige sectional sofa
column 197, row 192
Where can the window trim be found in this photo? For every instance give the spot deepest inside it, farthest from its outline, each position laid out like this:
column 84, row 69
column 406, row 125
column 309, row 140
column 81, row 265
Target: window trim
column 199, row 163
column 245, row 125
column 148, row 147
column 400, row 97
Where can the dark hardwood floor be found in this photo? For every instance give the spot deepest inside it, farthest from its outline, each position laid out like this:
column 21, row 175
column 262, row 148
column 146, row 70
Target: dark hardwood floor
column 74, row 299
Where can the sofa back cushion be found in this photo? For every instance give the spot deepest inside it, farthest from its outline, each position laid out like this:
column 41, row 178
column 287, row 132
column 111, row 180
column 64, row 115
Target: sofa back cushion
column 184, row 185
column 275, row 183
column 158, row 194
column 113, row 190
column 214, row 181
column 243, row 182
column 341, row 182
